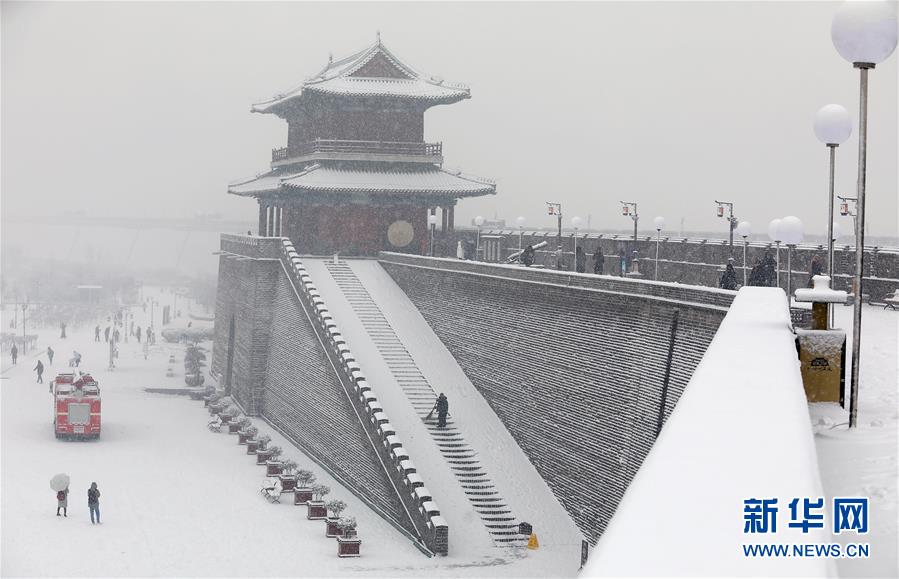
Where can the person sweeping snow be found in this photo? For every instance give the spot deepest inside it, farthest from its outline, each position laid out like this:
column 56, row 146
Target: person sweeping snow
column 442, row 408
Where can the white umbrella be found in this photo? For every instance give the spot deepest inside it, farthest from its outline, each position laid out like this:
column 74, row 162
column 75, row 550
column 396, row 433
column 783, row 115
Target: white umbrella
column 59, row 482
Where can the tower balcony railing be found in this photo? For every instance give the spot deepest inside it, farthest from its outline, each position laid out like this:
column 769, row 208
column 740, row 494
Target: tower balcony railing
column 341, row 149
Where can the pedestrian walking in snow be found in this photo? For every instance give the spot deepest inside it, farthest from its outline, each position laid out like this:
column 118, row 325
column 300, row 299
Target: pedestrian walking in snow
column 62, row 330
column 729, row 278
column 62, row 501
column 50, row 353
column 769, row 270
column 14, row 352
column 137, row 334
column 598, row 260
column 97, row 333
column 580, row 260
column 76, row 359
column 93, row 502
column 106, row 334
column 40, row 372
column 442, row 406
column 527, row 256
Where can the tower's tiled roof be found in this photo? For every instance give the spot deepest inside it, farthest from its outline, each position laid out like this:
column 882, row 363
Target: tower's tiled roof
column 392, row 79
column 430, row 180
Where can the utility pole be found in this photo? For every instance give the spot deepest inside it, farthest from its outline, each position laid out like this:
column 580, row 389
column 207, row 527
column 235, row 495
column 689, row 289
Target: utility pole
column 556, row 209
column 635, row 216
column 732, row 221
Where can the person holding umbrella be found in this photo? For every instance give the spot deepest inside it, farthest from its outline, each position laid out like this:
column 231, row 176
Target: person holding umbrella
column 60, row 484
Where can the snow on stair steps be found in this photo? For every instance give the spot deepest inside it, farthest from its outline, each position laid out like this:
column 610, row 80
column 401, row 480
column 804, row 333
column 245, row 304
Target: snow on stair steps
column 462, row 459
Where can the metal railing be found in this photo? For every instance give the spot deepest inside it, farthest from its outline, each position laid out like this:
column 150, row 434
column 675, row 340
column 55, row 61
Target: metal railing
column 361, row 147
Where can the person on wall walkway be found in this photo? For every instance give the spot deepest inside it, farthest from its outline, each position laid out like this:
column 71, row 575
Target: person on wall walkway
column 14, row 353
column 580, row 260
column 598, row 259
column 40, row 372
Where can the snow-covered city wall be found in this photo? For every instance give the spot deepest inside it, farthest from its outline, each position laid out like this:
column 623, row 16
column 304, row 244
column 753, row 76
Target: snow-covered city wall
column 741, row 430
column 279, row 353
column 694, row 260
column 581, row 374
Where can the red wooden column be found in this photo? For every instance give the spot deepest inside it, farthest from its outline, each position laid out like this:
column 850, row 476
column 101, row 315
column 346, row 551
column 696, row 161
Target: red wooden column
column 263, row 210
column 452, row 214
column 270, row 226
column 444, row 214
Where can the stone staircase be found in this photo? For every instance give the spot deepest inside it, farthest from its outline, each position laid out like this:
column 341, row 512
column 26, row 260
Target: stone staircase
column 497, row 517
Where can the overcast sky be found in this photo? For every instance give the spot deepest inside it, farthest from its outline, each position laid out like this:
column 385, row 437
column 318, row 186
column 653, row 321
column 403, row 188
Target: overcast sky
column 143, row 109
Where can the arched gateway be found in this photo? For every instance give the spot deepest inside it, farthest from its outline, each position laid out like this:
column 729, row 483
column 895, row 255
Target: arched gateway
column 356, row 176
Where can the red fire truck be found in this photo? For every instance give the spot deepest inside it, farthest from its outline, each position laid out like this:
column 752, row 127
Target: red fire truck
column 76, row 405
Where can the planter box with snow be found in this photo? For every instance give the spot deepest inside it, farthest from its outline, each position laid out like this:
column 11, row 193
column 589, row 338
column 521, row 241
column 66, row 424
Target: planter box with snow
column 242, row 437
column 252, row 446
column 302, row 495
column 331, row 528
column 262, row 456
column 348, row 547
column 273, row 468
column 233, row 428
column 316, row 510
column 288, row 482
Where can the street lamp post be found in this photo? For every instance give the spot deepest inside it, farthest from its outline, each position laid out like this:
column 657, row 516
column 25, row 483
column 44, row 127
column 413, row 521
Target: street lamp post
column 744, row 230
column 731, row 220
column 520, row 222
column 832, row 127
column 432, row 224
column 836, row 232
column 576, row 224
column 791, row 232
column 659, row 222
column 24, row 341
column 774, row 235
column 635, row 216
column 479, row 221
column 865, row 34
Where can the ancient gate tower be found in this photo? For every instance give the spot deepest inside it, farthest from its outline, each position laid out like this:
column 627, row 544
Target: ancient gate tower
column 356, row 176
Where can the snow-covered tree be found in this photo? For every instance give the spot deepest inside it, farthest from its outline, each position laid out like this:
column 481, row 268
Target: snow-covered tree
column 305, row 477
column 335, row 507
column 264, row 440
column 320, row 490
column 274, row 451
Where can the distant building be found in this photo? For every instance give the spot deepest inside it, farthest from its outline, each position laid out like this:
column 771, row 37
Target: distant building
column 356, row 176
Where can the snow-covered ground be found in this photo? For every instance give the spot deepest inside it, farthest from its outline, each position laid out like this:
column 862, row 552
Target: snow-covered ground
column 177, row 500
column 862, row 461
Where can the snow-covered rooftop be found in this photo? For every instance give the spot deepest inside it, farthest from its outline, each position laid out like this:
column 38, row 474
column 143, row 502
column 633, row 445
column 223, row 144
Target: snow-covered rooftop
column 372, row 72
column 321, row 178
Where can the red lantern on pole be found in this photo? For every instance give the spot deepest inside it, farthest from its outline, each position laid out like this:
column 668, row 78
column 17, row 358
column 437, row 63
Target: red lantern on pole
column 721, row 211
column 844, row 208
column 625, row 210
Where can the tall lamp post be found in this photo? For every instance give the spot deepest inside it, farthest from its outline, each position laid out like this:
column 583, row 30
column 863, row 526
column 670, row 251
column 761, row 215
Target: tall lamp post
column 731, row 220
column 832, row 127
column 791, row 232
column 24, row 341
column 576, row 224
column 659, row 223
column 744, row 230
column 865, row 34
column 479, row 221
column 520, row 222
column 836, row 232
column 635, row 216
column 774, row 235
column 432, row 224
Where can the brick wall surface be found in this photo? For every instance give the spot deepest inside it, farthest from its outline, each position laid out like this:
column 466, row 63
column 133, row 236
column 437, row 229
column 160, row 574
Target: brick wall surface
column 575, row 373
column 694, row 262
